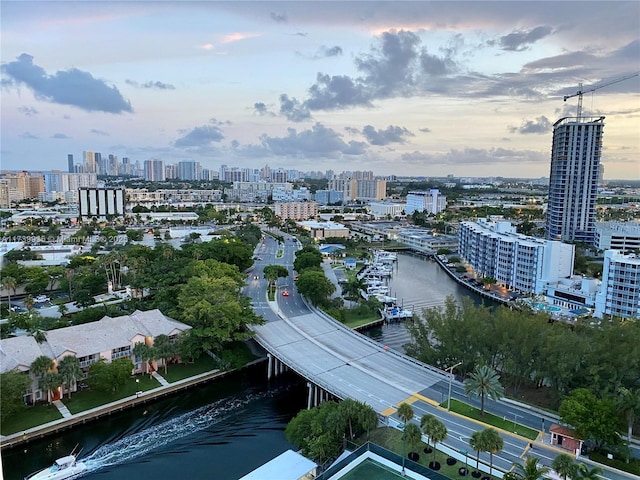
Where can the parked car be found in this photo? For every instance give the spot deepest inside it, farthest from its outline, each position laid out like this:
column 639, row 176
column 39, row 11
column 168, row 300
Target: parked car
column 41, row 299
column 285, row 293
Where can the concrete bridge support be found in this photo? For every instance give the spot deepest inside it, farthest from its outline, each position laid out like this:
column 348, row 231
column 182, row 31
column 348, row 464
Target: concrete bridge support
column 316, row 395
column 275, row 367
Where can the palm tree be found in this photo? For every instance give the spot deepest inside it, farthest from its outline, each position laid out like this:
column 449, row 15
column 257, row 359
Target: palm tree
column 530, row 470
column 628, row 404
column 484, row 381
column 565, row 466
column 40, row 366
column 584, row 473
column 412, row 434
column 28, row 302
column 438, row 433
column 405, row 413
column 349, row 408
column 146, row 354
column 50, row 381
column 164, row 349
column 368, row 419
column 9, row 283
column 70, row 371
column 425, row 424
column 475, row 442
column 492, row 443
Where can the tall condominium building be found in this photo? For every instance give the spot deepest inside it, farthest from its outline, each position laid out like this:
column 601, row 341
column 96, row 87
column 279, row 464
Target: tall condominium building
column 89, row 165
column 101, row 202
column 188, row 170
column 431, row 202
column 71, row 168
column 154, row 170
column 521, row 263
column 573, row 180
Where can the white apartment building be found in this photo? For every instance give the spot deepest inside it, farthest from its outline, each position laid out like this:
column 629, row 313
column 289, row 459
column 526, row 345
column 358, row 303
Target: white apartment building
column 623, row 236
column 254, row 191
column 520, row 263
column 101, row 202
column 301, row 194
column 619, row 294
column 154, row 171
column 296, row 210
column 166, row 196
column 386, row 209
column 431, row 202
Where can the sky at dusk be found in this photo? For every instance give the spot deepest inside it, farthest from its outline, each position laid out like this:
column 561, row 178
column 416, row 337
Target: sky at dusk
column 407, row 88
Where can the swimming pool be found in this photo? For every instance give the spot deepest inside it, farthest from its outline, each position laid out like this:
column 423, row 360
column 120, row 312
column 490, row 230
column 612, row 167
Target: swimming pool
column 546, row 308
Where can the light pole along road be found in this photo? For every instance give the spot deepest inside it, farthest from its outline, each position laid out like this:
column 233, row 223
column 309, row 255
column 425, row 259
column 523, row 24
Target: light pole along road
column 350, row 365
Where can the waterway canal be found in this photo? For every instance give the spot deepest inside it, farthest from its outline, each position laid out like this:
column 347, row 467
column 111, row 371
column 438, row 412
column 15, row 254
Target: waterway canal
column 221, row 430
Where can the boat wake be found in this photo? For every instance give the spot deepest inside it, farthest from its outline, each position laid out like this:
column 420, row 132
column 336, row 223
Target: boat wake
column 153, row 437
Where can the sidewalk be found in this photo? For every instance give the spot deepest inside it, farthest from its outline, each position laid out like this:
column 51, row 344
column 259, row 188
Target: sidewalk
column 62, row 408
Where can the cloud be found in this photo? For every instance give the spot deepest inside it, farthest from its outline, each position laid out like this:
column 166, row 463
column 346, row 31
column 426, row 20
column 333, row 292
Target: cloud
column 425, row 130
column 200, row 137
column 473, row 156
column 215, row 121
column 261, row 109
column 67, row 87
column 540, row 125
column 29, row 136
column 151, row 85
column 392, row 134
column 520, row 40
column 396, row 65
column 59, row 136
column 319, row 141
column 99, row 132
column 278, row 17
column 28, row 111
column 293, row 109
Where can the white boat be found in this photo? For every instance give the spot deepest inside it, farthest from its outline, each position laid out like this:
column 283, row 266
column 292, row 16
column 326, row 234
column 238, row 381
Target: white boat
column 64, row 468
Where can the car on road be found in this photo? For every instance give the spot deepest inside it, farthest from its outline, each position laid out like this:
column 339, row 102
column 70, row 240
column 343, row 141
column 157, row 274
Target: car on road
column 41, row 299
column 285, row 293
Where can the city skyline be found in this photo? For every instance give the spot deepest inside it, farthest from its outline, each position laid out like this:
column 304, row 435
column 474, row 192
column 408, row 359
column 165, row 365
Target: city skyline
column 400, row 88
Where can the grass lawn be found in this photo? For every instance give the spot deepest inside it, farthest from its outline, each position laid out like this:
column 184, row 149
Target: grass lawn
column 354, row 319
column 29, row 417
column 183, row 370
column 490, row 419
column 87, row 399
column 391, row 439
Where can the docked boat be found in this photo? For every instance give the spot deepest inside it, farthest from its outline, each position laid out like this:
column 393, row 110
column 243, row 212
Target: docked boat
column 64, row 468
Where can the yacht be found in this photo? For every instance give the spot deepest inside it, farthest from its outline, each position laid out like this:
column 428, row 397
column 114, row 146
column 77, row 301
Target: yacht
column 64, row 468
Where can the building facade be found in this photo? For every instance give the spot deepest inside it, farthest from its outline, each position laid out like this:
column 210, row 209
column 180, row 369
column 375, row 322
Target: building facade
column 623, row 236
column 154, row 171
column 619, row 293
column 101, row 202
column 431, row 202
column 518, row 262
column 296, row 210
column 573, row 179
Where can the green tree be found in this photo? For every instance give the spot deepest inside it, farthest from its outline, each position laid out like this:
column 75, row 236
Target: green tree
column 146, row 353
column 273, row 272
column 315, row 286
column 586, row 473
column 592, row 417
column 475, row 442
column 368, row 418
column 405, row 413
column 437, row 432
column 491, row 442
column 565, row 466
column 40, row 366
column 188, row 346
column 484, row 382
column 412, row 435
column 628, row 406
column 531, row 470
column 13, row 386
column 164, row 349
column 9, row 284
column 70, row 371
column 308, row 257
column 49, row 382
column 109, row 377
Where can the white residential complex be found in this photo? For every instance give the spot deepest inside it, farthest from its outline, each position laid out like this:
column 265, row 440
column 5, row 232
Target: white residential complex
column 519, row 263
column 573, row 180
column 619, row 294
column 296, row 210
column 431, row 202
column 101, row 203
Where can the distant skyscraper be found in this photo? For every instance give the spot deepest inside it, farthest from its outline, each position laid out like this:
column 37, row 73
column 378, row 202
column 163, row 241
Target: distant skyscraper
column 71, row 167
column 154, row 171
column 573, row 181
column 188, row 170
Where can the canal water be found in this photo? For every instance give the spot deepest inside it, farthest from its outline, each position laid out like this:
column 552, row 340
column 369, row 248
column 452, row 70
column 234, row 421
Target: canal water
column 221, row 430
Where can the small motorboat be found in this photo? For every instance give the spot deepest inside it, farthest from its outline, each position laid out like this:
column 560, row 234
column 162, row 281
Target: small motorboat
column 63, row 468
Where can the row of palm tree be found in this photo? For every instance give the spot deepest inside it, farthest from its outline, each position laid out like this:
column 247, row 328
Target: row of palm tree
column 434, row 429
column 564, row 465
column 68, row 373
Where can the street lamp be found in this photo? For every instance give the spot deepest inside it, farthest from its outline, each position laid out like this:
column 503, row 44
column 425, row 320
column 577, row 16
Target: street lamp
column 450, row 370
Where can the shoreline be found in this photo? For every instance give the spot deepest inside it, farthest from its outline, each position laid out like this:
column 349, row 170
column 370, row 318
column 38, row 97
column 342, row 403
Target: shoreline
column 40, row 431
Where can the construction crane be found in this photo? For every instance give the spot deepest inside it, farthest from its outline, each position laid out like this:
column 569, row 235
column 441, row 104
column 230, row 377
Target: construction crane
column 580, row 91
